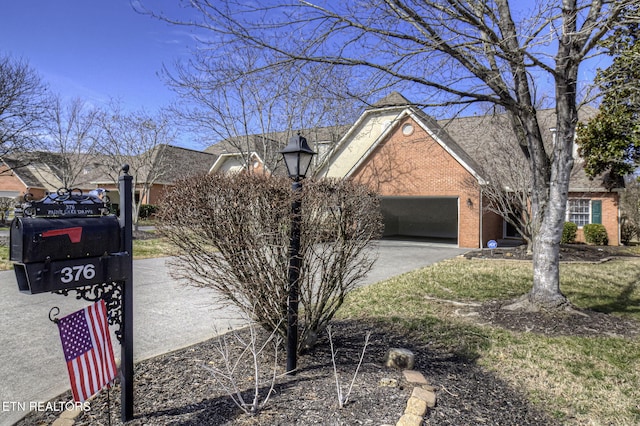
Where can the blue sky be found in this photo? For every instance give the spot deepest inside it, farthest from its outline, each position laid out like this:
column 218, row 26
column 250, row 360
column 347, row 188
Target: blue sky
column 94, row 49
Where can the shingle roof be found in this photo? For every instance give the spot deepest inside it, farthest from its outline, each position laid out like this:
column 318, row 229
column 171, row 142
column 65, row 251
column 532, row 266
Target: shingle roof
column 393, row 99
column 41, row 170
column 182, row 162
column 35, row 170
column 268, row 146
column 480, row 135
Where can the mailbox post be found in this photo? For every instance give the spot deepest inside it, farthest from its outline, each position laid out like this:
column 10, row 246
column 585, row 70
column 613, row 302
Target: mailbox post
column 126, row 224
column 67, row 242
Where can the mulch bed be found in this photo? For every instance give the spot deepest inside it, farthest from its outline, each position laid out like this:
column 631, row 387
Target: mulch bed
column 575, row 322
column 177, row 388
column 568, row 253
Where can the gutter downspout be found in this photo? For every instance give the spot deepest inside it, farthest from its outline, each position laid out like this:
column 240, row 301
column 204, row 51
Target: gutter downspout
column 481, row 216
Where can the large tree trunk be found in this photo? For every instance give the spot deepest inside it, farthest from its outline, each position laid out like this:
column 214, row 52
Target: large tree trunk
column 546, row 292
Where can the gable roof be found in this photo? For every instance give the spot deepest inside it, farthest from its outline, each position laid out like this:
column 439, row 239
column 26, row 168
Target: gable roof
column 181, row 162
column 393, row 99
column 234, row 162
column 267, row 146
column 393, row 109
column 35, row 170
column 41, row 169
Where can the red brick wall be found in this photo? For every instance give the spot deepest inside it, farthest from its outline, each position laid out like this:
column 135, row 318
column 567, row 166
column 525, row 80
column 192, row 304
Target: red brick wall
column 610, row 218
column 9, row 181
column 417, row 165
column 492, row 228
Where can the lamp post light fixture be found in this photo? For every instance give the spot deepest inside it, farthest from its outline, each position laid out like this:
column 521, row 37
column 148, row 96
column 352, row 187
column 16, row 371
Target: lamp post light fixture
column 297, row 157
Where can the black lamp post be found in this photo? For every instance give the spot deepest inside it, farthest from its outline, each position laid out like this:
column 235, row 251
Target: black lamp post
column 297, row 157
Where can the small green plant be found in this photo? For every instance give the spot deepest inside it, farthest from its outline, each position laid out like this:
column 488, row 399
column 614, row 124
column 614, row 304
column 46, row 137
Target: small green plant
column 569, row 233
column 595, row 233
column 147, row 211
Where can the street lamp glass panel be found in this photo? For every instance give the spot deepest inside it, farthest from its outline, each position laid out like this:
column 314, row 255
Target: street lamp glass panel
column 297, row 157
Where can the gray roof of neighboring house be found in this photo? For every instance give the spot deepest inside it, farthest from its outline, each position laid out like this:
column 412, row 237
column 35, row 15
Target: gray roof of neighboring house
column 482, row 134
column 268, row 146
column 256, row 142
column 393, row 99
column 42, row 169
column 35, row 170
column 182, row 162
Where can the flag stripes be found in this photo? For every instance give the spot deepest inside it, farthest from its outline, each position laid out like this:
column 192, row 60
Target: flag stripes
column 86, row 344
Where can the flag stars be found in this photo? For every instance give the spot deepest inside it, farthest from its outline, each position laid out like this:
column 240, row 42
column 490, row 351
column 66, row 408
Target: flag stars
column 75, row 335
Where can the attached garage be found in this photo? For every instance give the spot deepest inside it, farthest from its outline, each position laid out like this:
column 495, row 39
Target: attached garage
column 421, row 217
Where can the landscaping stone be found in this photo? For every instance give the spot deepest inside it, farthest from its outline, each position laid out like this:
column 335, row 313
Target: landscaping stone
column 409, row 420
column 416, row 406
column 427, row 395
column 70, row 413
column 400, row 358
column 388, row 382
column 415, row 377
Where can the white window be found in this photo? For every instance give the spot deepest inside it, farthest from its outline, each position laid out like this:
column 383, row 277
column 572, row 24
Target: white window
column 579, row 211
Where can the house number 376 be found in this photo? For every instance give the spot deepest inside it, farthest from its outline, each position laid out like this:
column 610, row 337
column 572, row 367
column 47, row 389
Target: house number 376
column 75, row 273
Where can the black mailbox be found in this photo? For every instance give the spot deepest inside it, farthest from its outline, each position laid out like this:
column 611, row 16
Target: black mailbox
column 39, row 239
column 56, row 253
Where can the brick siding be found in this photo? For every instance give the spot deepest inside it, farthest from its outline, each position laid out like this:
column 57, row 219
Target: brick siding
column 416, row 165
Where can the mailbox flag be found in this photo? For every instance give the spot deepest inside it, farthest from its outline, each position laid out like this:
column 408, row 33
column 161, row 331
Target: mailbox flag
column 86, row 344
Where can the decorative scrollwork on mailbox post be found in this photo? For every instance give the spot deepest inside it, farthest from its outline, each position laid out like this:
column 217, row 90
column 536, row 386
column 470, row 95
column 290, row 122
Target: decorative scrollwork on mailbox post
column 112, row 295
column 68, row 242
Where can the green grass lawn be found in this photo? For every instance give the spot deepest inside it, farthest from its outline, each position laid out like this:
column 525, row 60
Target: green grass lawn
column 578, row 380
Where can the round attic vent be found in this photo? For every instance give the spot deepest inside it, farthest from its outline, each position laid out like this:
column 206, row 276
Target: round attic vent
column 407, row 129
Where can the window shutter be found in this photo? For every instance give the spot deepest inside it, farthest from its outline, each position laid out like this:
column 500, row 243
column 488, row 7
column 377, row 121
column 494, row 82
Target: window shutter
column 596, row 211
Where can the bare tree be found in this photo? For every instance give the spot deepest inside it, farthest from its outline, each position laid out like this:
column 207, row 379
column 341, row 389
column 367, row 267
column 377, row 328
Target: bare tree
column 630, row 207
column 455, row 52
column 234, row 237
column 23, row 101
column 70, row 131
column 232, row 98
column 140, row 140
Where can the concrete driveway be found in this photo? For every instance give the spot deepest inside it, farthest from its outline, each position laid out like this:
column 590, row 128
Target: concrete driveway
column 167, row 316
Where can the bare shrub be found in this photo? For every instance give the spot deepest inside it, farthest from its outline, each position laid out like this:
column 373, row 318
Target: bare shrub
column 231, row 375
column 342, row 397
column 233, row 235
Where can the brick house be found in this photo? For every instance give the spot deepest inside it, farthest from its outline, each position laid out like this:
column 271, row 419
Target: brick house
column 39, row 173
column 31, row 173
column 431, row 179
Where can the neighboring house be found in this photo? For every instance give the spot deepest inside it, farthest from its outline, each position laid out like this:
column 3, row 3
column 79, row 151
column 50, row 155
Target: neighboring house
column 38, row 173
column 166, row 165
column 266, row 149
column 239, row 162
column 29, row 174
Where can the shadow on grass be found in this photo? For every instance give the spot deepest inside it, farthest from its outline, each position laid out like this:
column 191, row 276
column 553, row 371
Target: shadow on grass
column 624, row 303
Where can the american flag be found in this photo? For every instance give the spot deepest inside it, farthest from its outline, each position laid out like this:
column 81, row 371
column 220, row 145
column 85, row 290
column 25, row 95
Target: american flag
column 87, row 349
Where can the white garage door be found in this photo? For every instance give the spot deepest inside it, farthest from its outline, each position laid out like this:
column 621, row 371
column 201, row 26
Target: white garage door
column 421, row 217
